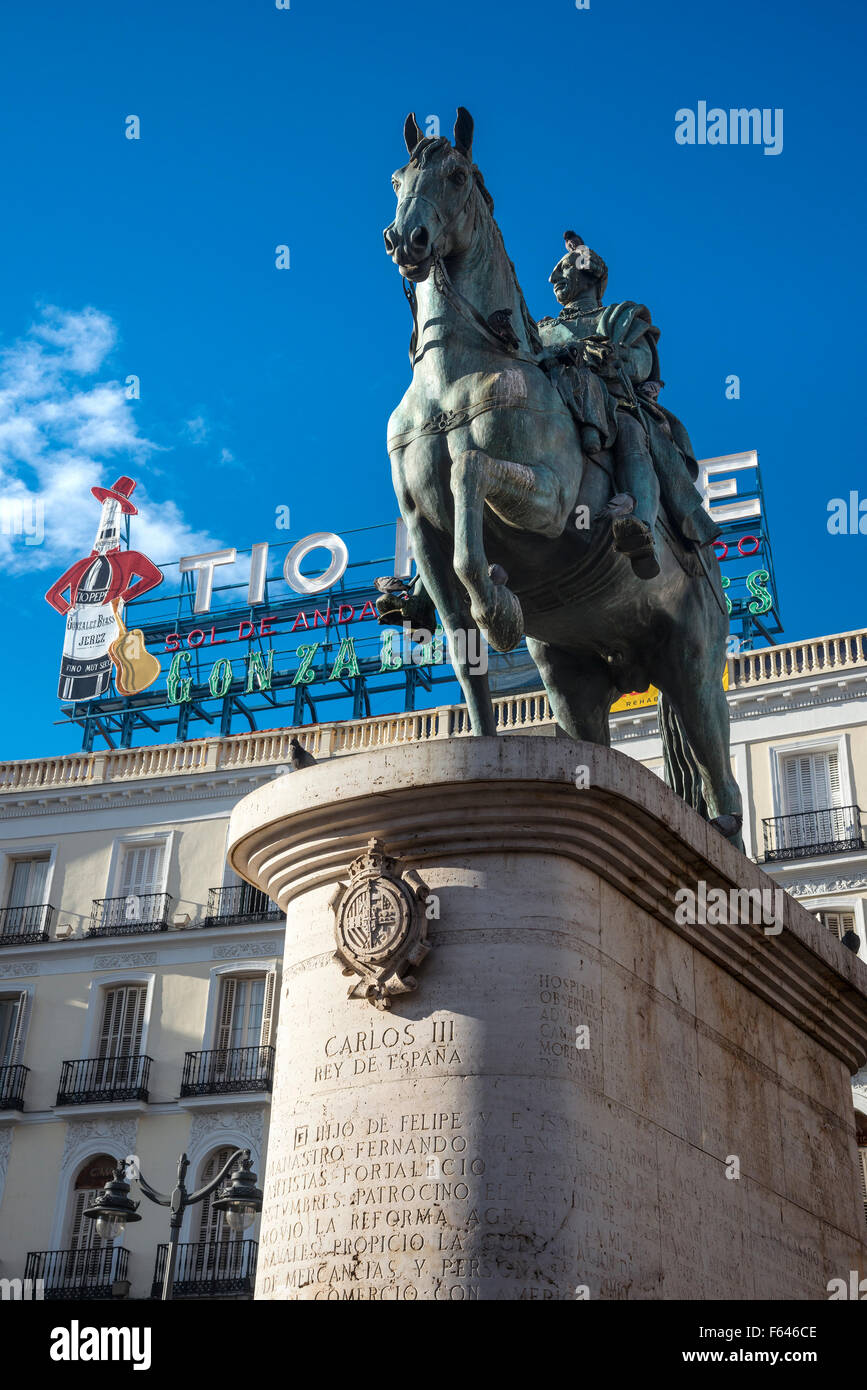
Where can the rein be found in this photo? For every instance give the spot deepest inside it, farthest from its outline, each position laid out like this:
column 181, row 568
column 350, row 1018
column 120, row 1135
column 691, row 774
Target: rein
column 499, row 335
column 495, row 331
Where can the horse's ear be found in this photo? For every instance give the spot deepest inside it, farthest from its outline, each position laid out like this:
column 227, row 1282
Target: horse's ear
column 464, row 133
column 411, row 132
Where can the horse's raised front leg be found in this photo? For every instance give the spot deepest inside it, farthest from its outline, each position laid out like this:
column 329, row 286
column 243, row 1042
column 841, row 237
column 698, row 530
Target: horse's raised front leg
column 530, row 499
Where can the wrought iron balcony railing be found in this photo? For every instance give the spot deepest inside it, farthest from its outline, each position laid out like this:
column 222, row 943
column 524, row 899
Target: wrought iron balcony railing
column 23, row 926
column 98, row 1080
column 831, row 830
column 212, row 1267
column 226, row 1070
column 239, row 903
column 13, row 1079
column 137, row 912
column 78, row 1273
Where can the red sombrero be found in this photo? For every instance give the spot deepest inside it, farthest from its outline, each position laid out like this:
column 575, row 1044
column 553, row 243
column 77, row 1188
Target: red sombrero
column 120, row 492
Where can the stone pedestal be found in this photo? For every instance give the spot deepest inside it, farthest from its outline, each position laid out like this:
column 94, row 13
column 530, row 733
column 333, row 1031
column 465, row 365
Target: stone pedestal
column 584, row 1096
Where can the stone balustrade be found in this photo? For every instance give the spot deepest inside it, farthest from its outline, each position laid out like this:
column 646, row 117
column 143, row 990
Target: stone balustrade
column 818, row 657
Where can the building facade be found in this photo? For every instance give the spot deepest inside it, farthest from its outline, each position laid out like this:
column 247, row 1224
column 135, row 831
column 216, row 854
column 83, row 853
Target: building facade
column 139, row 980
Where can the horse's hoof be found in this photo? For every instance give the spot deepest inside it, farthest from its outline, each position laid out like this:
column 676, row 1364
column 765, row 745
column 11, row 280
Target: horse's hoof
column 728, row 825
column 503, row 623
column 497, row 574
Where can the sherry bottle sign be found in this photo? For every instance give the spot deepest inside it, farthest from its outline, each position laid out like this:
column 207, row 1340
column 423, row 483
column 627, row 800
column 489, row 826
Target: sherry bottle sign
column 96, row 642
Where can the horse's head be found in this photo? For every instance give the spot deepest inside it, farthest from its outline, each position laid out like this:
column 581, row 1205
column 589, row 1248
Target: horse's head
column 435, row 205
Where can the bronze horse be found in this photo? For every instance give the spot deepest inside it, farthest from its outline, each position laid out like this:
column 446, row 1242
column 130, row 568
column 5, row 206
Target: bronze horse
column 490, row 478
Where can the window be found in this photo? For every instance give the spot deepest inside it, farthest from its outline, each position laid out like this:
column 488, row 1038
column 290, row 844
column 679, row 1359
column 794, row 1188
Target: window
column 810, row 781
column 12, row 1008
column 244, row 1012
column 814, row 817
column 135, row 895
column 212, row 1224
column 122, row 1019
column 141, row 873
column 28, row 883
column 861, row 1136
column 91, row 1179
column 837, row 922
column 120, row 1033
column 26, row 898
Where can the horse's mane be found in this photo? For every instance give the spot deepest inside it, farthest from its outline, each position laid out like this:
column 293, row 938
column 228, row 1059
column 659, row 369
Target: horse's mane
column 430, row 145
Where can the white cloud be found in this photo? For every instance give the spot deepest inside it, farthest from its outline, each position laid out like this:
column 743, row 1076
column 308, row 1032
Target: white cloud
column 66, row 426
column 197, row 429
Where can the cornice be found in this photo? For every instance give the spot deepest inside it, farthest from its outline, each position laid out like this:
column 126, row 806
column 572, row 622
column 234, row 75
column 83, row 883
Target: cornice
column 745, row 706
column 208, row 786
column 150, row 950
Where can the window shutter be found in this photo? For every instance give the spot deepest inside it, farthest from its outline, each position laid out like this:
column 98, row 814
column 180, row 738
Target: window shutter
column 862, row 1154
column 140, row 870
column 834, row 797
column 212, row 1227
column 792, row 785
column 108, row 1033
column 83, row 1235
column 837, row 922
column 225, row 1013
column 17, row 1037
column 11, row 1027
column 811, row 782
column 122, row 1021
column 268, row 1009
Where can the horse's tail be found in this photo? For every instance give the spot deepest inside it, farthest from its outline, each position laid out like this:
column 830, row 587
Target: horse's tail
column 682, row 772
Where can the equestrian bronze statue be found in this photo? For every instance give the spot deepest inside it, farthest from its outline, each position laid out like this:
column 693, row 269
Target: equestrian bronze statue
column 545, row 492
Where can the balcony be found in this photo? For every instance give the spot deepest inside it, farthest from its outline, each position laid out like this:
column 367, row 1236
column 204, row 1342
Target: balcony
column 23, row 926
column 78, row 1274
column 209, row 1269
column 241, row 903
column 104, row 1080
column 13, row 1079
column 809, row 834
column 129, row 916
column 227, row 1071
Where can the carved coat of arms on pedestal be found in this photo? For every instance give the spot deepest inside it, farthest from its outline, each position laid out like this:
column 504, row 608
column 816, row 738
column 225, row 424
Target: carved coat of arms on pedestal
column 380, row 925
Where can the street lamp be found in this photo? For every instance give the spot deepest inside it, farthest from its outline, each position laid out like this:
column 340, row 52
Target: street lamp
column 241, row 1201
column 113, row 1209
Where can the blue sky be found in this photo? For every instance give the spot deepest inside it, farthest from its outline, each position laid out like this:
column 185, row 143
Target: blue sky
column 262, row 387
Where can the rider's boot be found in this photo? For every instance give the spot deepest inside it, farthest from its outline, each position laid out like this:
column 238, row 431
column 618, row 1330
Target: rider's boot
column 633, row 525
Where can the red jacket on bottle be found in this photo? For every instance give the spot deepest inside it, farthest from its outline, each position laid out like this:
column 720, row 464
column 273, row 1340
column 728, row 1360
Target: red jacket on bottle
column 125, row 565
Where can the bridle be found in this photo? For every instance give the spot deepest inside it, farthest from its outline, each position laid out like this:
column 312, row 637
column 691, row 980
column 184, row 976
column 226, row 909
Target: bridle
column 499, row 335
